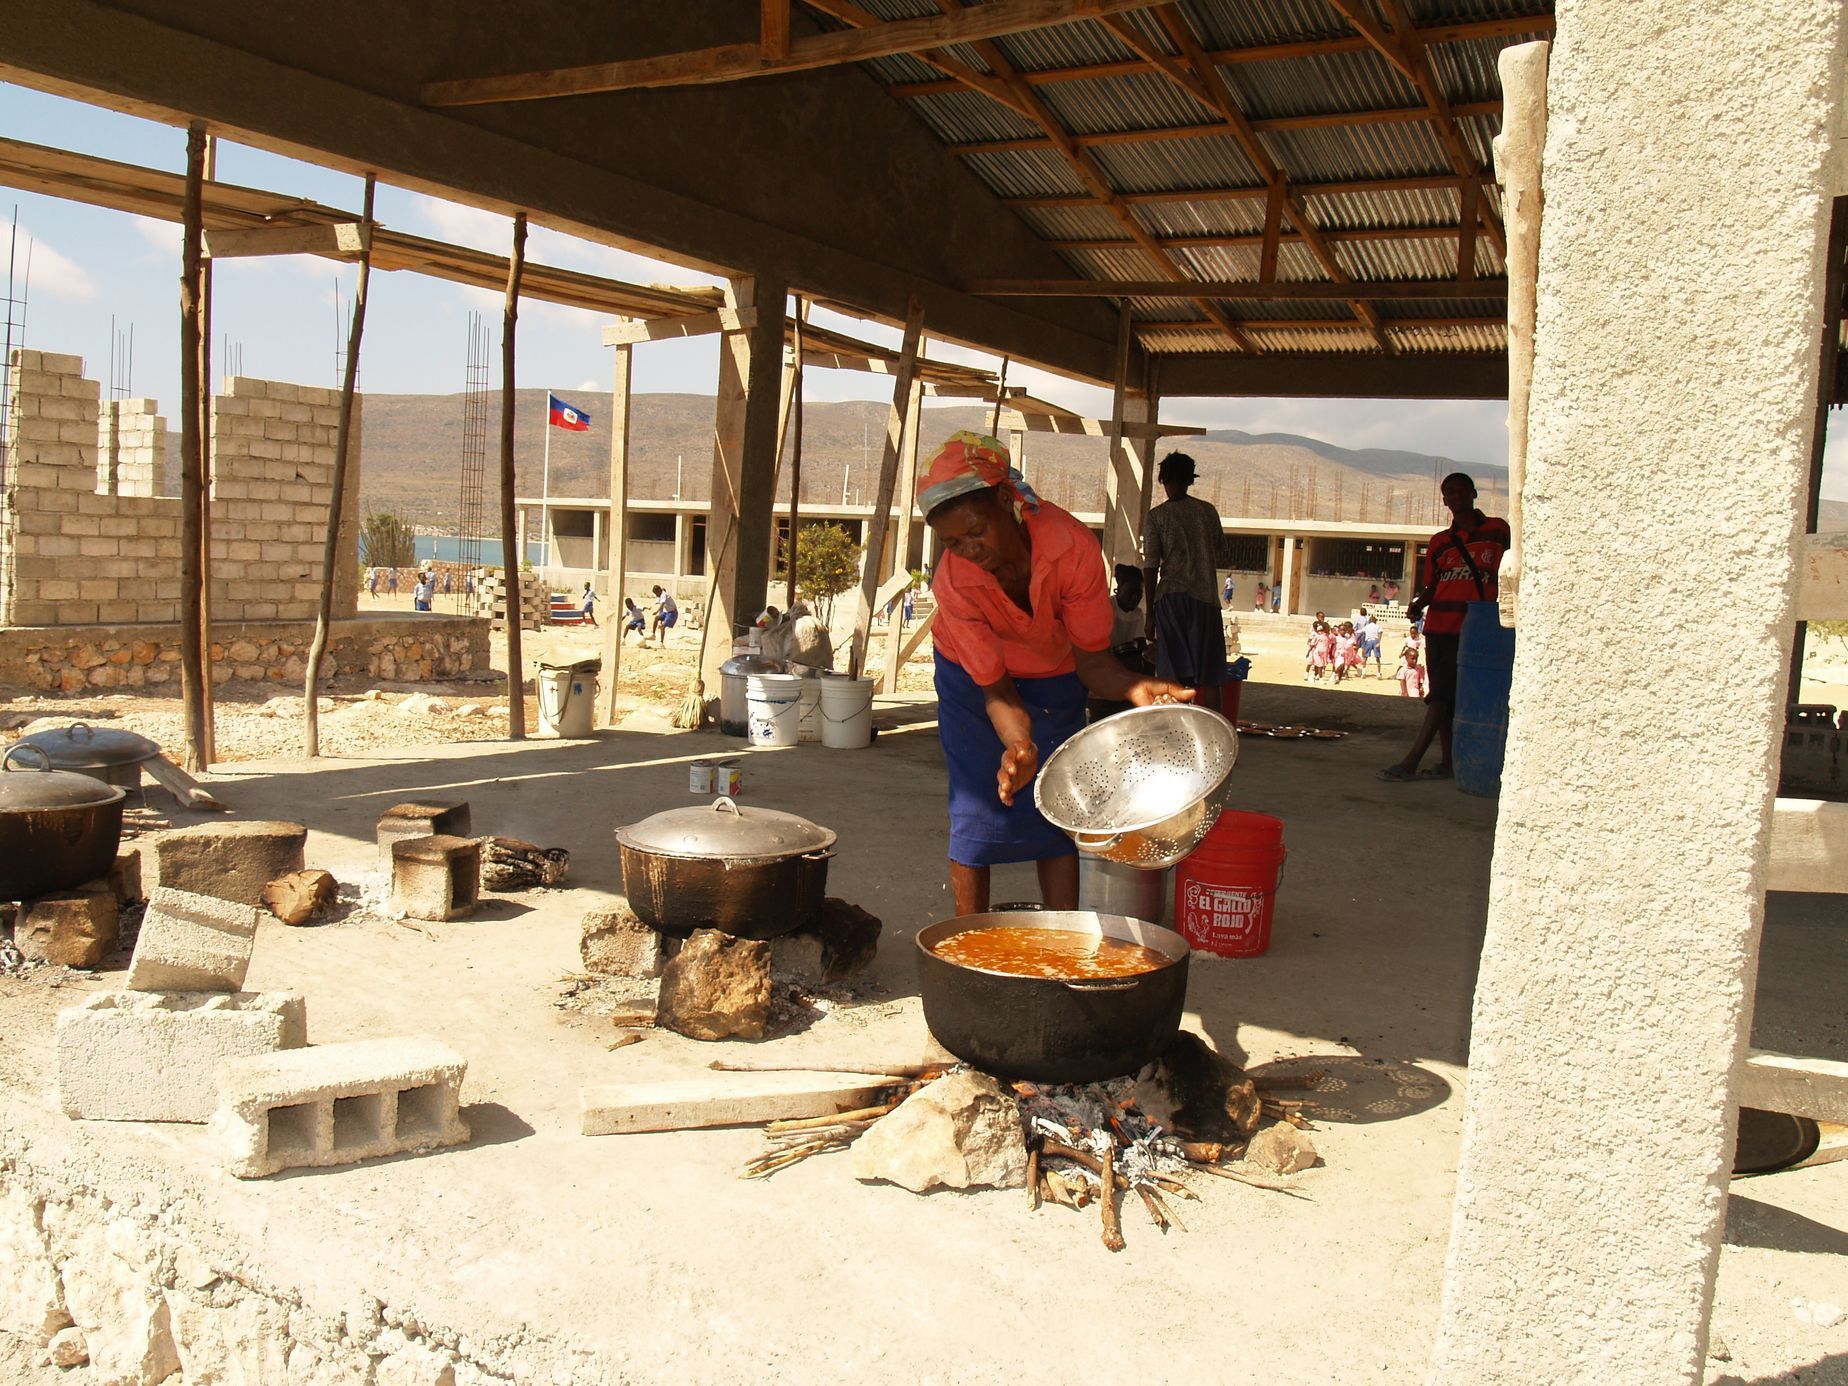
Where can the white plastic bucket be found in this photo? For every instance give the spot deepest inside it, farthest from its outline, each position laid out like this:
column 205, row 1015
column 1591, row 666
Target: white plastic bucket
column 773, row 709
column 567, row 701
column 846, row 712
column 808, row 718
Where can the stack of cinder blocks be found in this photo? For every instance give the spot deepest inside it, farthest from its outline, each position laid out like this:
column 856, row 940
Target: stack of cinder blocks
column 491, row 599
column 185, row 1043
column 435, row 866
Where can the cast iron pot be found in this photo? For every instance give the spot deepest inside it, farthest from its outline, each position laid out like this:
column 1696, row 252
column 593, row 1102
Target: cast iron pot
column 111, row 754
column 1048, row 1030
column 58, row 829
column 751, row 873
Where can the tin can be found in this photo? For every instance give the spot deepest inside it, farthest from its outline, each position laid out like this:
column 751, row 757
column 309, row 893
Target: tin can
column 699, row 778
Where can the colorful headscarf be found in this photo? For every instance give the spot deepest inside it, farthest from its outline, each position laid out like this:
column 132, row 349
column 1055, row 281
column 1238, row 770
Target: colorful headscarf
column 971, row 462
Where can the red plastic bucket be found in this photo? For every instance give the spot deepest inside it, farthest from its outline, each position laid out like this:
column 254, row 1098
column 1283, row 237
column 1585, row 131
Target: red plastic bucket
column 1224, row 893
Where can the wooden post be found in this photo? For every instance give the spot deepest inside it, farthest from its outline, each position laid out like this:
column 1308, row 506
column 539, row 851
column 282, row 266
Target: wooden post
column 795, row 461
column 194, row 668
column 619, row 533
column 336, row 497
column 510, row 555
column 1120, row 484
column 874, row 570
column 208, row 722
column 906, row 501
column 1835, row 275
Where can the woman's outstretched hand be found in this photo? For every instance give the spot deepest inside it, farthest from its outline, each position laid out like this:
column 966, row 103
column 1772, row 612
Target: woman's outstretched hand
column 1145, row 691
column 1019, row 763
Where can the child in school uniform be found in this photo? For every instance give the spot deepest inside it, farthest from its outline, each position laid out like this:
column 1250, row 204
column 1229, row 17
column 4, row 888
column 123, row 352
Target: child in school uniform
column 1413, row 681
column 1346, row 652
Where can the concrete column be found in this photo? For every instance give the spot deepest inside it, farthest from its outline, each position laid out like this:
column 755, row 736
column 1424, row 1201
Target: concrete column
column 519, row 537
column 597, row 562
column 1674, row 378
column 1289, row 575
column 683, row 548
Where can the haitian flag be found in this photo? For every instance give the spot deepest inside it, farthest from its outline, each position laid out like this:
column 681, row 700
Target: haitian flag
column 562, row 415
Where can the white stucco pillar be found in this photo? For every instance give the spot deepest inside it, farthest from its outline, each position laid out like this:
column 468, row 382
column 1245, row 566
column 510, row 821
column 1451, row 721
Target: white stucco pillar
column 1674, row 381
column 1289, row 575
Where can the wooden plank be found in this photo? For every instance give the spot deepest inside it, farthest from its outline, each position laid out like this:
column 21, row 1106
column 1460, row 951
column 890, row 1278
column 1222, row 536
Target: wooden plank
column 1074, row 426
column 1466, row 232
column 1119, row 480
column 1367, row 289
column 878, row 522
column 1822, row 583
column 345, row 240
column 1385, row 44
column 773, row 29
column 1262, row 125
column 195, row 664
column 1411, row 182
column 182, row 786
column 618, row 569
column 1273, row 232
column 631, row 331
column 723, row 1099
column 730, row 62
column 1809, row 847
column 512, row 533
column 1814, row 1088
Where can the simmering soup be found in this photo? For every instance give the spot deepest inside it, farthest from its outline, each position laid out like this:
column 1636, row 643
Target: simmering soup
column 1058, row 953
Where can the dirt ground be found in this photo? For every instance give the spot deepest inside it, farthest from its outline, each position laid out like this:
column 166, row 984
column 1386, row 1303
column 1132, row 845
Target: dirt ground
column 644, row 1258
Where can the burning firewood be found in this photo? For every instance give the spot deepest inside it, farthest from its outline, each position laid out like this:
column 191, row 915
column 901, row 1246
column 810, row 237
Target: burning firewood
column 1272, row 1185
column 1033, row 1179
column 863, row 1117
column 1113, row 1225
column 510, row 864
column 1156, row 1215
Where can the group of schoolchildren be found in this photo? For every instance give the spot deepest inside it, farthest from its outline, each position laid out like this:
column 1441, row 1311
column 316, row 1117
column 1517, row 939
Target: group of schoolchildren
column 1344, row 649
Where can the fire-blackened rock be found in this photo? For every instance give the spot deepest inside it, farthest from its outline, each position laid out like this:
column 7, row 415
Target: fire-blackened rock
column 76, row 928
column 960, row 1132
column 1197, row 1094
column 717, row 987
column 839, row 941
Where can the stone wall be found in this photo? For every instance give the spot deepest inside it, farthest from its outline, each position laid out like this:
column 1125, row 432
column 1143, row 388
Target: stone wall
column 395, row 648
column 85, row 539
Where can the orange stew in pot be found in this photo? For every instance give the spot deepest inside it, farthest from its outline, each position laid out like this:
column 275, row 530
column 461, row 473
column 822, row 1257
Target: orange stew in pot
column 1057, row 953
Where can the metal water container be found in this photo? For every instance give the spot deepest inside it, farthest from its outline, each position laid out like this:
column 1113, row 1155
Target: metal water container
column 733, row 712
column 1110, row 887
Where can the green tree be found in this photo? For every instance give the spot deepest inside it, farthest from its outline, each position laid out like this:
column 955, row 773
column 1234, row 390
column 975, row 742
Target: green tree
column 827, row 564
column 385, row 541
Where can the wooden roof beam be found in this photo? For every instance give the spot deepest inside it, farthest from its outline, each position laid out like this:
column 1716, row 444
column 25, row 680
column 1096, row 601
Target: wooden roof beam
column 734, row 62
column 1460, row 32
column 1359, row 290
column 957, row 74
column 1229, row 239
column 1401, row 48
column 1156, row 326
column 1091, row 175
column 1251, row 192
column 1210, row 87
column 1393, row 115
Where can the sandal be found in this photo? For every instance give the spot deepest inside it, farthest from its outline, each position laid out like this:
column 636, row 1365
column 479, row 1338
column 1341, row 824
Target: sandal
column 1396, row 774
column 1436, row 772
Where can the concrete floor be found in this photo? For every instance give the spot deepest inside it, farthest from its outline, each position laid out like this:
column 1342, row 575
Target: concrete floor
column 643, row 1258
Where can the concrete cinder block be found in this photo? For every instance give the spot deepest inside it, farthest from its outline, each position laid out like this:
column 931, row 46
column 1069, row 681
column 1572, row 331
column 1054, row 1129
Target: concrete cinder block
column 153, row 1055
column 421, row 818
column 616, row 943
column 437, row 877
column 335, row 1104
column 192, row 942
column 232, row 860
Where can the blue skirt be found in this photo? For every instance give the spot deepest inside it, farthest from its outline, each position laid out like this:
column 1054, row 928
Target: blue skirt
column 1190, row 642
column 983, row 830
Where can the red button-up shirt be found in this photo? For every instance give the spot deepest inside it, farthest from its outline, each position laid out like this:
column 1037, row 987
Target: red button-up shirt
column 981, row 628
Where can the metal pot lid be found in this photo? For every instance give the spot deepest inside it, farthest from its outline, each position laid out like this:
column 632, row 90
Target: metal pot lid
column 82, row 746
column 25, row 787
column 723, row 830
column 751, row 664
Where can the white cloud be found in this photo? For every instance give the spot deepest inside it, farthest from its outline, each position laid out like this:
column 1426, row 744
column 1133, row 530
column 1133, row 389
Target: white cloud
column 162, row 236
column 52, row 273
column 588, row 384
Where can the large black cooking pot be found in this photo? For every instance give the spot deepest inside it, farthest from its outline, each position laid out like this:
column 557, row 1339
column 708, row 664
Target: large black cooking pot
column 751, row 873
column 1048, row 1030
column 58, row 829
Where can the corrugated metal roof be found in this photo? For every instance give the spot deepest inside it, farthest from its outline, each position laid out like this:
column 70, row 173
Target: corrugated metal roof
column 1352, row 79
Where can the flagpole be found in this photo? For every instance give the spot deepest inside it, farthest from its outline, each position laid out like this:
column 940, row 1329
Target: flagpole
column 545, row 487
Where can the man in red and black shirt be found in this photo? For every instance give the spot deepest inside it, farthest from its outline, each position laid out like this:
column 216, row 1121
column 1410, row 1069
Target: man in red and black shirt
column 1459, row 568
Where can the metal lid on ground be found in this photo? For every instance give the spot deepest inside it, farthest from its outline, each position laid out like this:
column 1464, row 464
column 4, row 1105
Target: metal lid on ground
column 81, row 746
column 723, row 830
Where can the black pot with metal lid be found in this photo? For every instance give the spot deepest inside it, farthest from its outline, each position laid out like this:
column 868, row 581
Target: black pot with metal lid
column 751, row 872
column 58, row 828
column 110, row 754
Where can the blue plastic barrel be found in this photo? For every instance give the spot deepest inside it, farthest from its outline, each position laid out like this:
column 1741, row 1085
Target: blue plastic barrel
column 1485, row 667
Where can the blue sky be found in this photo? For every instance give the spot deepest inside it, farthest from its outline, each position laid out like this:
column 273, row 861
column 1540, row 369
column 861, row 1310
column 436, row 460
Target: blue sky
column 278, row 314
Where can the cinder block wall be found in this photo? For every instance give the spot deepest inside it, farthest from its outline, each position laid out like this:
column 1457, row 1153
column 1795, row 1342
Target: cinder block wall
column 84, row 539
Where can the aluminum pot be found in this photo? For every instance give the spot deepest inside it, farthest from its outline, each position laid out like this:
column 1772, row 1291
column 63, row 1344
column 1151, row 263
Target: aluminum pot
column 58, row 829
column 111, row 754
column 1046, row 1029
column 751, row 873
column 734, row 712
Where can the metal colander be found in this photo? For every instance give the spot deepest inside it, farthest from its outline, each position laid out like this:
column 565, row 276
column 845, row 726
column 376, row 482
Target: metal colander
column 1141, row 787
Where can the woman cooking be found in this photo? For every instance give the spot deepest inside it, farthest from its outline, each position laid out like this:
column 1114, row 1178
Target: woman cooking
column 1022, row 633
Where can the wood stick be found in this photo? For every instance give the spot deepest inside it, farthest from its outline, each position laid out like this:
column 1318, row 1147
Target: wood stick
column 1156, row 1215
column 510, row 555
column 1168, row 1210
column 1033, row 1180
column 859, row 1116
column 195, row 662
column 896, row 1072
column 1254, row 1181
column 1113, row 1224
column 1203, row 1152
column 1286, row 1082
column 624, row 1041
